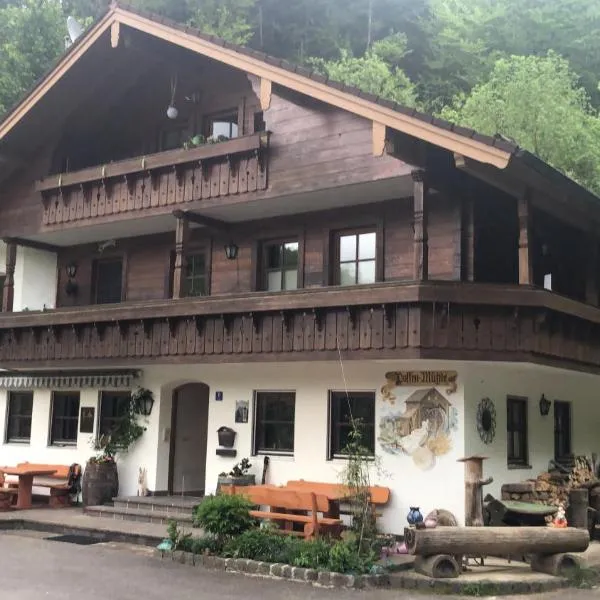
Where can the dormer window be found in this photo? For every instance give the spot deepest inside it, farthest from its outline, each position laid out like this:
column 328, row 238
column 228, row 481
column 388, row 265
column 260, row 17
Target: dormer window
column 222, row 125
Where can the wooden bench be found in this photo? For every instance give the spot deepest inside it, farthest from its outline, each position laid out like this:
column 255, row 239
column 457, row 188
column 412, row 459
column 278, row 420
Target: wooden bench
column 8, row 495
column 280, row 500
column 57, row 483
column 379, row 496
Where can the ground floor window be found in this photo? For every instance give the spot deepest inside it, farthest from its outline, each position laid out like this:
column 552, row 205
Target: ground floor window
column 274, row 422
column 345, row 410
column 516, row 424
column 113, row 407
column 65, row 418
column 562, row 430
column 18, row 421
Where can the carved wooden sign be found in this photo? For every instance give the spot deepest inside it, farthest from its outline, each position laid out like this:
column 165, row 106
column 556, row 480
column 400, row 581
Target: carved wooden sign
column 416, row 379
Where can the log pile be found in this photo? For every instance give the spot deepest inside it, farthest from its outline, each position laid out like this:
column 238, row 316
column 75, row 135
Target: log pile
column 553, row 487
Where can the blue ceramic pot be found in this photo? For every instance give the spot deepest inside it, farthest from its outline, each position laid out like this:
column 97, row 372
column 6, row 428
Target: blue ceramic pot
column 414, row 516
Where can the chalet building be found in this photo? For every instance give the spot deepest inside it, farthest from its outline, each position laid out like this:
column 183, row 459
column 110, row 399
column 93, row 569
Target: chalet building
column 278, row 252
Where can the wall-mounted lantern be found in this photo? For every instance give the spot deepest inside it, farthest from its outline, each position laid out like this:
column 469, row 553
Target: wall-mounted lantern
column 545, row 405
column 231, row 251
column 71, row 287
column 143, row 401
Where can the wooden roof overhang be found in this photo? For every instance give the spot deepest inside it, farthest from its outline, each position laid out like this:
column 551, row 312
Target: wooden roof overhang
column 493, row 159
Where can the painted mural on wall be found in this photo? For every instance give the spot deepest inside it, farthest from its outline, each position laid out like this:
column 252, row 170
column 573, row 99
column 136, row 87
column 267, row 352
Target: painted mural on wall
column 417, row 422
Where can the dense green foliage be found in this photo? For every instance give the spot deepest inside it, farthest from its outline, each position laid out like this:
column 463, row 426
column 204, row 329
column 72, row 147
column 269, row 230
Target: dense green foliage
column 446, row 56
column 224, row 516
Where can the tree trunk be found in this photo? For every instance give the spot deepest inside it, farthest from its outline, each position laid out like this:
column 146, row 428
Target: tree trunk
column 555, row 564
column 495, row 541
column 473, row 493
column 440, row 566
column 578, row 503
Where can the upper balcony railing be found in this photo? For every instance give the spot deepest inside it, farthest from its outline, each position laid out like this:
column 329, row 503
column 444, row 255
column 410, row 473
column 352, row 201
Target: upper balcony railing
column 435, row 320
column 168, row 178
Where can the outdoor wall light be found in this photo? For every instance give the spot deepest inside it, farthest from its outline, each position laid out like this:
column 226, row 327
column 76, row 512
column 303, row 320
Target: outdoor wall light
column 231, row 251
column 143, row 400
column 71, row 270
column 544, row 406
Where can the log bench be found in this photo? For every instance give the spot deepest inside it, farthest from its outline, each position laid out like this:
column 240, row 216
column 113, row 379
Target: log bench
column 280, row 500
column 57, row 485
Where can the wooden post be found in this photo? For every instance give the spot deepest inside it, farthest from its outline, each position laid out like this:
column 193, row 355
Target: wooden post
column 468, row 238
column 591, row 282
column 473, row 493
column 8, row 292
column 181, row 238
column 577, row 511
column 525, row 258
column 421, row 250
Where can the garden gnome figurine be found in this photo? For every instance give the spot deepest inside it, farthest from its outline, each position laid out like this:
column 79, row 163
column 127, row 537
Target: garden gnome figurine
column 560, row 520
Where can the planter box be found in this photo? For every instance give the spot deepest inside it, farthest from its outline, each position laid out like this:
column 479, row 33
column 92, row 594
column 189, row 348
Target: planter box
column 244, row 480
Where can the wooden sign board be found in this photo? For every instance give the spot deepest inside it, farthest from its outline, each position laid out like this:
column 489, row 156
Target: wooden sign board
column 418, row 379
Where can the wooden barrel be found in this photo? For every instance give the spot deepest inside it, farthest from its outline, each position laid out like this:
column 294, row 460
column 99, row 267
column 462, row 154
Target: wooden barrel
column 100, row 483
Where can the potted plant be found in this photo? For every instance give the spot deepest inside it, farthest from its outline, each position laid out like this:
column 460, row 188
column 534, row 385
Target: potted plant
column 238, row 475
column 100, row 482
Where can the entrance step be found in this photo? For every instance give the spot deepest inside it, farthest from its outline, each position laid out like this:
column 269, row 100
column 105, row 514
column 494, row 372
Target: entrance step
column 138, row 514
column 149, row 509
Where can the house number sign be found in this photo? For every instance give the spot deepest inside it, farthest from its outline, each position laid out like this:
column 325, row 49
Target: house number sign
column 418, row 379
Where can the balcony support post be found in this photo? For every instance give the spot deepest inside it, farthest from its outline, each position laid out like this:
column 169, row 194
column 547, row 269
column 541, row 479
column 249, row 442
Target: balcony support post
column 181, row 239
column 591, row 282
column 421, row 249
column 8, row 291
column 525, row 249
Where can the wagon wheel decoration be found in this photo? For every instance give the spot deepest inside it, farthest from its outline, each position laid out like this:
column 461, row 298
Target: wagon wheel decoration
column 486, row 420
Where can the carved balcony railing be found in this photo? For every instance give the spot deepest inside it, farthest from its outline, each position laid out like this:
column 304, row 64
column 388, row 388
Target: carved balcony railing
column 131, row 186
column 434, row 320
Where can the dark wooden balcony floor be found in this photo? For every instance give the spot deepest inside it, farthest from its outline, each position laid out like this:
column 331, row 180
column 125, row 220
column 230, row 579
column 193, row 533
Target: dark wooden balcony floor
column 443, row 320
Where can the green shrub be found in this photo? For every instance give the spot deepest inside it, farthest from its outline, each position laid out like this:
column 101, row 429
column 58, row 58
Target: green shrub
column 344, row 557
column 206, row 544
column 312, row 554
column 224, row 516
column 260, row 544
column 178, row 537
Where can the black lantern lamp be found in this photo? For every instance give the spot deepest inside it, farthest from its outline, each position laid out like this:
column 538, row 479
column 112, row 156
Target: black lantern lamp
column 71, row 287
column 143, row 402
column 544, row 406
column 231, row 251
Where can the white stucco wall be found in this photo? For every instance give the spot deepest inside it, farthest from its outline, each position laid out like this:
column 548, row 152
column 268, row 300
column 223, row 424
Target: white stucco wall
column 35, row 279
column 440, row 487
column 497, row 381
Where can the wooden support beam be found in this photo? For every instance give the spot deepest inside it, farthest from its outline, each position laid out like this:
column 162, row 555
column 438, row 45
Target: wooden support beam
column 8, row 291
column 265, row 93
column 468, row 237
column 379, row 131
column 421, row 250
column 115, row 31
column 525, row 240
column 591, row 282
column 181, row 238
column 202, row 220
column 31, row 244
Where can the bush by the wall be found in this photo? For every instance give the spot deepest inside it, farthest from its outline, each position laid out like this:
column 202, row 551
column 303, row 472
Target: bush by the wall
column 224, row 516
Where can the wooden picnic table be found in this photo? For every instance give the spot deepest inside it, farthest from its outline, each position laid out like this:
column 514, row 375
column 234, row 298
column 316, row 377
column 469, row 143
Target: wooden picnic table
column 25, row 475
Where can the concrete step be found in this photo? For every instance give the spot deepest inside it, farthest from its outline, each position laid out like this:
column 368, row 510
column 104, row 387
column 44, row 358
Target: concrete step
column 142, row 515
column 170, row 505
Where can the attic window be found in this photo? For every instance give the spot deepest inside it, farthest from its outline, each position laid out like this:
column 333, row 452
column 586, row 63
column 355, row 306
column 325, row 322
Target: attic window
column 223, row 124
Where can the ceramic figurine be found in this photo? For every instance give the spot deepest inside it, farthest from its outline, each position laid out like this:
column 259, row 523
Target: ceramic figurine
column 560, row 520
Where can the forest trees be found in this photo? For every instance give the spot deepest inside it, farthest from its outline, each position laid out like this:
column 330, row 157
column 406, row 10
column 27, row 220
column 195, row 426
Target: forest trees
column 450, row 57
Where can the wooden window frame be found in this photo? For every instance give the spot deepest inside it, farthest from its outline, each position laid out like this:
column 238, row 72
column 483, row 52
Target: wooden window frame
column 94, row 286
column 255, row 427
column 9, row 416
column 569, row 434
column 264, row 271
column 334, row 396
column 355, row 231
column 102, row 419
column 211, row 117
column 64, row 441
column 522, row 460
column 192, row 252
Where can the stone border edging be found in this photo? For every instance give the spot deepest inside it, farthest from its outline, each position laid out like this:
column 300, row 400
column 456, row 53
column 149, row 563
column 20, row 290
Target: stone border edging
column 405, row 580
column 277, row 571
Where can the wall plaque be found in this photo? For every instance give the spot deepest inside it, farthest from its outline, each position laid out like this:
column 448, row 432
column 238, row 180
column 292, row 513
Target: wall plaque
column 86, row 422
column 418, row 379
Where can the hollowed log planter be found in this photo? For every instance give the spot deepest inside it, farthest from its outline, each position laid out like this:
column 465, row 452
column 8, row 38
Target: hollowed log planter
column 100, row 483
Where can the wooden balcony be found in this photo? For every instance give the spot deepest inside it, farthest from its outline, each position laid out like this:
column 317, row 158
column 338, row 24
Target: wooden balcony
column 434, row 320
column 129, row 187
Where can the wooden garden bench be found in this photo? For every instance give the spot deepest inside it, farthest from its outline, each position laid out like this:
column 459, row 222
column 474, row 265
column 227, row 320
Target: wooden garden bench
column 57, row 483
column 282, row 500
column 7, row 495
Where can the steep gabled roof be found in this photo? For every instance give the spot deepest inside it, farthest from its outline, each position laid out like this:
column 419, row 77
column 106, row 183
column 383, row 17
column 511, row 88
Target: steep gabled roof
column 384, row 113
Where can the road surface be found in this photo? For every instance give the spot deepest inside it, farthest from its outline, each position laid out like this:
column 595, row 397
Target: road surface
column 33, row 568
